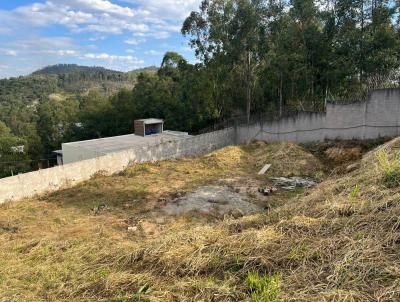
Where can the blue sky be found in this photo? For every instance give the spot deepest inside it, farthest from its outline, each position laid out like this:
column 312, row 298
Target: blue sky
column 117, row 34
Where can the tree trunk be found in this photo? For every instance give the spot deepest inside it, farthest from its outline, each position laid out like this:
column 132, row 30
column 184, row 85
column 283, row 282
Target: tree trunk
column 248, row 86
column 281, row 96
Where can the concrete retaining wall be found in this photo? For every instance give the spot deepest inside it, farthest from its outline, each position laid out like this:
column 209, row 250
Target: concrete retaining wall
column 30, row 184
column 375, row 118
column 378, row 117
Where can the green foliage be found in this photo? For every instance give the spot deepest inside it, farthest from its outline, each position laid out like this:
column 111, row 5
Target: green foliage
column 13, row 155
column 354, row 193
column 265, row 288
column 390, row 168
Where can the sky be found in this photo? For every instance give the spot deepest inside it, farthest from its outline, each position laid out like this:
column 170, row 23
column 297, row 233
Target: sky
column 117, row 34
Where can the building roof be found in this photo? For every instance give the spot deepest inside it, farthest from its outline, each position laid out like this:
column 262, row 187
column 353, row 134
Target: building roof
column 125, row 142
column 149, row 121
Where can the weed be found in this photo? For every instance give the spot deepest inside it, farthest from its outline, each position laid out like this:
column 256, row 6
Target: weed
column 297, row 252
column 263, row 289
column 319, row 176
column 354, row 193
column 390, row 168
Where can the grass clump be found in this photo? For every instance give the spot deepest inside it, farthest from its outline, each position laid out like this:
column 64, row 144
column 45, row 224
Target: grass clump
column 389, row 167
column 263, row 288
column 355, row 193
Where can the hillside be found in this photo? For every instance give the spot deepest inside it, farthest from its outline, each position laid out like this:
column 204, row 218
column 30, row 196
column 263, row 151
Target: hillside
column 130, row 237
column 67, row 78
column 61, row 69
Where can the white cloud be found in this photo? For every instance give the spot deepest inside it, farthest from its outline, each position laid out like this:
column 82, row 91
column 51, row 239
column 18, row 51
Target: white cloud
column 153, row 52
column 97, row 16
column 168, row 9
column 136, row 21
column 62, row 53
column 8, row 52
column 153, row 18
column 112, row 58
column 135, row 41
column 98, row 6
column 115, row 62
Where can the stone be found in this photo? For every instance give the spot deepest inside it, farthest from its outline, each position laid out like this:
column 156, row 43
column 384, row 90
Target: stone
column 292, row 183
column 101, row 208
column 133, row 229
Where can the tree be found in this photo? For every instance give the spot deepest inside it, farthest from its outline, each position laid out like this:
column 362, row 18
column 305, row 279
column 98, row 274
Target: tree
column 56, row 121
column 13, row 152
column 230, row 32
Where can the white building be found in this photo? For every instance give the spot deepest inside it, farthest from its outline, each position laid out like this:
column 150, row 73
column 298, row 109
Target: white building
column 148, row 132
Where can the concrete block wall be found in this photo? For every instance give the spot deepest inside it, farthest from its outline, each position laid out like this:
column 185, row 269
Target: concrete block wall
column 30, row 184
column 378, row 117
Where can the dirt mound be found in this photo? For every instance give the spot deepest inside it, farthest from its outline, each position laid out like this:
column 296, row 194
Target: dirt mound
column 228, row 157
column 287, row 159
column 342, row 155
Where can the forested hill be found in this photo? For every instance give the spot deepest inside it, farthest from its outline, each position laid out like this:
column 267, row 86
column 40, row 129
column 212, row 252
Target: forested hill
column 62, row 69
column 66, row 79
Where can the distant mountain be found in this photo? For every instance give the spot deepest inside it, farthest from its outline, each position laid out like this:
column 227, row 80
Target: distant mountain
column 69, row 79
column 67, row 69
column 61, row 69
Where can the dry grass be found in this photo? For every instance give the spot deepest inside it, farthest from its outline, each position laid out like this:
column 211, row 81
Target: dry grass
column 343, row 155
column 333, row 243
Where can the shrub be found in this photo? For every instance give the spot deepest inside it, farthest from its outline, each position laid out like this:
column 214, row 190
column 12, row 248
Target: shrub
column 263, row 289
column 390, row 168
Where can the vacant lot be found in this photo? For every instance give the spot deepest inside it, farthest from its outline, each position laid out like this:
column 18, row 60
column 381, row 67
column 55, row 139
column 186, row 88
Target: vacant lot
column 115, row 238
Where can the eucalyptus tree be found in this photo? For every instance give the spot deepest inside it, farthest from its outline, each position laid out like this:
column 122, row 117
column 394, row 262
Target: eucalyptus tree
column 231, row 34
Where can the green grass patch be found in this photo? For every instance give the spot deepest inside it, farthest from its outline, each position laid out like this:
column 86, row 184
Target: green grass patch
column 389, row 167
column 263, row 288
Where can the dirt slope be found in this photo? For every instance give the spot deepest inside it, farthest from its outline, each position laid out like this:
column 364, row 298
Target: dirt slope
column 336, row 242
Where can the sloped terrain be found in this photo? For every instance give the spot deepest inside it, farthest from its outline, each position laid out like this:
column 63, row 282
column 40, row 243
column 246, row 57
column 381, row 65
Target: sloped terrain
column 109, row 239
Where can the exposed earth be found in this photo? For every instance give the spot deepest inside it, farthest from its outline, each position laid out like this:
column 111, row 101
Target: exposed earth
column 212, row 229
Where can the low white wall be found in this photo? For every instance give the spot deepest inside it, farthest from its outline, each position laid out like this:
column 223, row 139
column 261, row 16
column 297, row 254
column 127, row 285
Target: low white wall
column 30, row 184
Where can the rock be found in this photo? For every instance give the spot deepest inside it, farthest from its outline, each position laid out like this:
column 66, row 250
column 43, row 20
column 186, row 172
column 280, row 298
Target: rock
column 101, row 208
column 352, row 167
column 162, row 200
column 292, row 183
column 160, row 220
column 133, row 229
